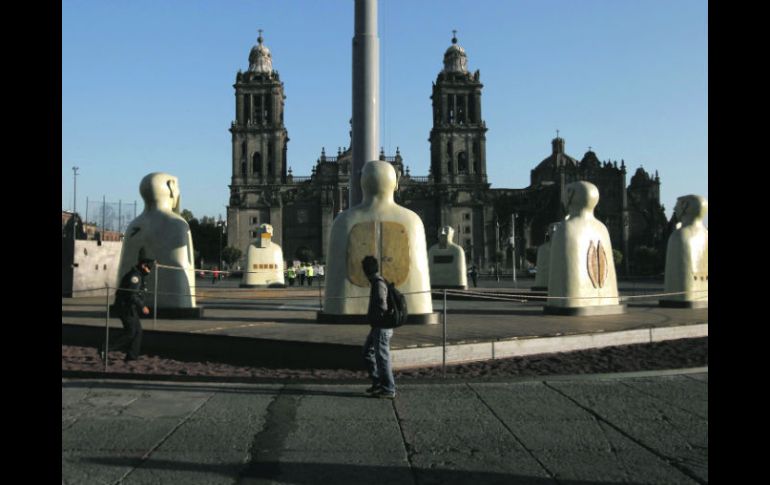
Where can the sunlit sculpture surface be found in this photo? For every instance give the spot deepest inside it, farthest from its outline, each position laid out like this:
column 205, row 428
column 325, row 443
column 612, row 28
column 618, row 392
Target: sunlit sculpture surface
column 264, row 261
column 447, row 262
column 582, row 274
column 391, row 233
column 544, row 260
column 160, row 233
column 687, row 256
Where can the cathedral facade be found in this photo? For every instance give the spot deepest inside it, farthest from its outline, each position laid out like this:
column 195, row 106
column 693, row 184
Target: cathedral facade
column 456, row 192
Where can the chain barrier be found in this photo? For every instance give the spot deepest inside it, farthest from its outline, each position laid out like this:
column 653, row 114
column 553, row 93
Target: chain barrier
column 473, row 294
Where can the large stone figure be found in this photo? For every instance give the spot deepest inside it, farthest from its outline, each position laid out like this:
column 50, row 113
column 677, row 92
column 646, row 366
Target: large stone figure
column 160, row 233
column 687, row 256
column 544, row 260
column 392, row 234
column 447, row 262
column 582, row 271
column 264, row 261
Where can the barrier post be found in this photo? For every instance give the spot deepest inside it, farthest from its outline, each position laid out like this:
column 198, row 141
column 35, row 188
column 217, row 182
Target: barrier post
column 320, row 300
column 443, row 356
column 106, row 325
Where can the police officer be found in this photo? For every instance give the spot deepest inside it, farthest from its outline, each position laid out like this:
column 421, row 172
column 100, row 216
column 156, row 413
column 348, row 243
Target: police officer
column 129, row 301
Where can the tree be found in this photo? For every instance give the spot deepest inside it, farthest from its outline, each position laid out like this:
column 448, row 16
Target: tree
column 187, row 215
column 231, row 255
column 617, row 256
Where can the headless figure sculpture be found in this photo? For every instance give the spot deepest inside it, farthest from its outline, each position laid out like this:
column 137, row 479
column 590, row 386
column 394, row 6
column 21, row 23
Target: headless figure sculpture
column 687, row 256
column 392, row 234
column 160, row 233
column 582, row 271
column 447, row 262
column 264, row 261
column 544, row 260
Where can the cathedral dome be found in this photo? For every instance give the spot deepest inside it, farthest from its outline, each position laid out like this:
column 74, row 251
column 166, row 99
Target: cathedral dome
column 260, row 59
column 455, row 59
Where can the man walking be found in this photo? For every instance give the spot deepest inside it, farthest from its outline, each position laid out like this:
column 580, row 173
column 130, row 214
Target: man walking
column 129, row 301
column 377, row 345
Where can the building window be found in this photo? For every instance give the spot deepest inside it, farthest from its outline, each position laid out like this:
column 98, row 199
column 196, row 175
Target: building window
column 467, row 216
column 254, row 220
column 256, row 165
column 243, row 169
column 467, row 229
column 462, row 162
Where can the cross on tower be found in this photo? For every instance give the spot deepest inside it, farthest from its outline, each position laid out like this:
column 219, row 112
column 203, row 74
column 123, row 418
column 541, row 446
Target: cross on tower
column 454, row 36
column 557, row 133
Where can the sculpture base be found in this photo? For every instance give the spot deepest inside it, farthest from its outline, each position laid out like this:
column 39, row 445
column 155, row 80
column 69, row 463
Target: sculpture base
column 539, row 288
column 449, row 287
column 170, row 313
column 581, row 311
column 271, row 285
column 360, row 319
column 683, row 303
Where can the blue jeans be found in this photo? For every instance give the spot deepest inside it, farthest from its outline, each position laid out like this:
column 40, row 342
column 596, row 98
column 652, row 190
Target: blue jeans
column 377, row 358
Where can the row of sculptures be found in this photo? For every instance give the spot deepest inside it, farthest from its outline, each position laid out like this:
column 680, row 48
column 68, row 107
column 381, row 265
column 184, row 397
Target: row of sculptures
column 575, row 263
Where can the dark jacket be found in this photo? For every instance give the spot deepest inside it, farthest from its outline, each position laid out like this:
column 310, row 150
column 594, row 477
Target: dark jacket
column 133, row 298
column 378, row 301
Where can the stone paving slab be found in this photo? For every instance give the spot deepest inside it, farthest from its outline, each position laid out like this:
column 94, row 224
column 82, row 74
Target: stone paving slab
column 640, row 428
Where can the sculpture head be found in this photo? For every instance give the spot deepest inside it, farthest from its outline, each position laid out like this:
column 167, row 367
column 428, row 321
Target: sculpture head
column 161, row 191
column 264, row 234
column 691, row 208
column 581, row 197
column 378, row 179
column 445, row 236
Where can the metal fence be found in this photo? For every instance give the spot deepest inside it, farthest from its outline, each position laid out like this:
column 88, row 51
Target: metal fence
column 109, row 216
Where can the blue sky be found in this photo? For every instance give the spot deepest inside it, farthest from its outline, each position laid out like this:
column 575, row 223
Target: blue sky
column 147, row 86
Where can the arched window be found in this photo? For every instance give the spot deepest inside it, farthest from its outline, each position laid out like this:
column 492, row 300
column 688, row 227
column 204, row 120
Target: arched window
column 450, row 156
column 243, row 169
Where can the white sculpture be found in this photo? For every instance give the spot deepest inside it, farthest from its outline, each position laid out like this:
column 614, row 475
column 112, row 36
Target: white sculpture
column 447, row 262
column 582, row 271
column 391, row 233
column 160, row 233
column 544, row 260
column 264, row 261
column 687, row 255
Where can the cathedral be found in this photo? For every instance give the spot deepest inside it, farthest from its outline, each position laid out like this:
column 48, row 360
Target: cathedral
column 455, row 192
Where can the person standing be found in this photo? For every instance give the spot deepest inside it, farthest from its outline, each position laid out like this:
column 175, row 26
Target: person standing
column 129, row 302
column 474, row 275
column 291, row 274
column 310, row 273
column 377, row 345
column 301, row 275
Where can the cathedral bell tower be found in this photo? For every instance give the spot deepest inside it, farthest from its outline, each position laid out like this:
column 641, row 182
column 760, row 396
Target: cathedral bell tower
column 259, row 140
column 457, row 139
column 259, row 136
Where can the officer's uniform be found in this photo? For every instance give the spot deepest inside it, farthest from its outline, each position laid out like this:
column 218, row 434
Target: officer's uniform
column 130, row 304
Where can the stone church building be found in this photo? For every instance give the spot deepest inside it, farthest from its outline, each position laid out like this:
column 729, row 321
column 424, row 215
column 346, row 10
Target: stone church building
column 456, row 191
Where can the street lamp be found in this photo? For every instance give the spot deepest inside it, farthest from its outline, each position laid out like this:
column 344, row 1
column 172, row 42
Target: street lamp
column 222, row 226
column 74, row 201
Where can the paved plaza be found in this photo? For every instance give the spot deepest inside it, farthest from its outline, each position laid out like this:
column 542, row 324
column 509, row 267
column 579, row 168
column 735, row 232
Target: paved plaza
column 644, row 428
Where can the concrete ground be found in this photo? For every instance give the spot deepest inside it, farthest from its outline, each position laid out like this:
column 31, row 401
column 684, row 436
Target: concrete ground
column 643, row 428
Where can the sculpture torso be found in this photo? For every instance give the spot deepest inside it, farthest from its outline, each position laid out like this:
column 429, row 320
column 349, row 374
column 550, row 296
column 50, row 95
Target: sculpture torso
column 447, row 262
column 381, row 228
column 687, row 252
column 581, row 266
column 160, row 233
column 264, row 260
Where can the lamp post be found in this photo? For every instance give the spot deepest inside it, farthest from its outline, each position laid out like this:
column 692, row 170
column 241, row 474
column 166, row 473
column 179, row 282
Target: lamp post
column 513, row 246
column 222, row 227
column 74, row 201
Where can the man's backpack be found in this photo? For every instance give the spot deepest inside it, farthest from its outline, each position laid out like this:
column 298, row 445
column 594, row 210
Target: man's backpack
column 397, row 311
